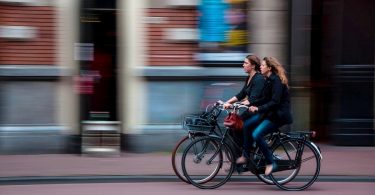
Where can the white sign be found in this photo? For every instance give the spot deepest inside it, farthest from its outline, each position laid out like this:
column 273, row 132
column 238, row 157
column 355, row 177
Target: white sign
column 181, row 34
column 220, row 56
column 154, row 20
column 84, row 51
column 26, row 2
column 18, row 32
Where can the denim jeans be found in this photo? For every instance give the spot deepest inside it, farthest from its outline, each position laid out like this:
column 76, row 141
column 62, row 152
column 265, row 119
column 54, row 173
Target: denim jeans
column 264, row 128
column 248, row 127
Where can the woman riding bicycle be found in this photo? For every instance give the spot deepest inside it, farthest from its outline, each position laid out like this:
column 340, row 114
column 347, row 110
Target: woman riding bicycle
column 272, row 113
column 251, row 91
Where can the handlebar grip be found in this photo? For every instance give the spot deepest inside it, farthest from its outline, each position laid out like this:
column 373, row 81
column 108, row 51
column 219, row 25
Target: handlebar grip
column 219, row 102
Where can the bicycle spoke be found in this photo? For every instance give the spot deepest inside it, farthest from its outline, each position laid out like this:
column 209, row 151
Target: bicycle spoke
column 307, row 159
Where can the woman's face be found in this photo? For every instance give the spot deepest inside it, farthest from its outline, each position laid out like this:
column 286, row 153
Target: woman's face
column 264, row 69
column 247, row 66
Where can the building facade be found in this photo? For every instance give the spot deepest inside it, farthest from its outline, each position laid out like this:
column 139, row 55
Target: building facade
column 140, row 66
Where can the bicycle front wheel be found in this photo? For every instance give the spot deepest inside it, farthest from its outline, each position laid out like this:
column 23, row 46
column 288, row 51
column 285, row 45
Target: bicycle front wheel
column 304, row 157
column 207, row 163
column 177, row 156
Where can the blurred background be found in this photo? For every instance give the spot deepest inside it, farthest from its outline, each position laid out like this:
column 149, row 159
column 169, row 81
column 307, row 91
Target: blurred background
column 119, row 75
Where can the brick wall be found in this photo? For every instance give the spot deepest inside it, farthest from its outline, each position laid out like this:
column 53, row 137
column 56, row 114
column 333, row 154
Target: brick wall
column 162, row 52
column 37, row 51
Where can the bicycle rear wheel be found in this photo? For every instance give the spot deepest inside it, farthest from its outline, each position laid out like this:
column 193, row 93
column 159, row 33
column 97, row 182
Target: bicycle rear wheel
column 306, row 159
column 206, row 163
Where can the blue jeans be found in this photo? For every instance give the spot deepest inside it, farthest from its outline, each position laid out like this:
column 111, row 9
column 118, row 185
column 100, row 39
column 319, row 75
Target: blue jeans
column 264, row 128
column 248, row 127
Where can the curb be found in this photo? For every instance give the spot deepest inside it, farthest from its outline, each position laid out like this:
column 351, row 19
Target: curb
column 29, row 180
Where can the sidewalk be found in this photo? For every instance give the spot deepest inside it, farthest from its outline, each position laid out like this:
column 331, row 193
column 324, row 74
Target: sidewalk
column 337, row 161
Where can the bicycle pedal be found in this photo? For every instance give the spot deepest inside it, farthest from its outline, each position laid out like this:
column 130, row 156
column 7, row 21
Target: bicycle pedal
column 242, row 168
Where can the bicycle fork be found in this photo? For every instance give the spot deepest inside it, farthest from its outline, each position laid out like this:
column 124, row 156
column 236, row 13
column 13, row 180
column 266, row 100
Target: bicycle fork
column 199, row 155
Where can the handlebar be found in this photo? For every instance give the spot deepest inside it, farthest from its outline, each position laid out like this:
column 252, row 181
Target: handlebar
column 235, row 106
column 216, row 108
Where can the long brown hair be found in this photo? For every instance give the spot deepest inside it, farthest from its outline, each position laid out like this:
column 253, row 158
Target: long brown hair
column 254, row 60
column 277, row 68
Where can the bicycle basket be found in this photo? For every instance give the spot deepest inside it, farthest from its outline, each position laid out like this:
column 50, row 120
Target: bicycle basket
column 197, row 123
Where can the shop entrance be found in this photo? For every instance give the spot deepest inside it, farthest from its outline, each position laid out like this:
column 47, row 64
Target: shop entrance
column 97, row 79
column 98, row 76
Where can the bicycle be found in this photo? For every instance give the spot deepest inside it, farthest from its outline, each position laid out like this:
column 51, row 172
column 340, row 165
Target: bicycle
column 200, row 125
column 220, row 152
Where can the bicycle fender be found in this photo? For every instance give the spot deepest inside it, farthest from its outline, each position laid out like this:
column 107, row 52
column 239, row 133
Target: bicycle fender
column 317, row 149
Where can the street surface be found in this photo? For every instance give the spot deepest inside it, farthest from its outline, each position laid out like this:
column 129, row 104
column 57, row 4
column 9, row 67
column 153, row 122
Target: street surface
column 344, row 171
column 179, row 188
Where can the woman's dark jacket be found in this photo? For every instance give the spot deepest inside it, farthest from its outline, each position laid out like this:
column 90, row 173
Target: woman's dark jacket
column 254, row 90
column 276, row 102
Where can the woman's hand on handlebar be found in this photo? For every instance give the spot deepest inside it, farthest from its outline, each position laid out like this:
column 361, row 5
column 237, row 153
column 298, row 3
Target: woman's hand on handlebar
column 236, row 105
column 253, row 109
column 227, row 105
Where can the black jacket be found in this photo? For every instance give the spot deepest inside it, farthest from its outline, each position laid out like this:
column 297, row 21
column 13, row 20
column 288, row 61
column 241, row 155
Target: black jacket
column 276, row 102
column 253, row 90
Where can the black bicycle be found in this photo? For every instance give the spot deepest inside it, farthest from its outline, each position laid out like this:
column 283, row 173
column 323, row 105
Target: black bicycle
column 206, row 123
column 213, row 157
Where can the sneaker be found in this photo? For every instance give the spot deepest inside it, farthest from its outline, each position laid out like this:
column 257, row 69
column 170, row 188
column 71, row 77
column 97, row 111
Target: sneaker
column 241, row 168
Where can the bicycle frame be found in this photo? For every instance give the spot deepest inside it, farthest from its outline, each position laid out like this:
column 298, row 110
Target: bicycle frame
column 259, row 168
column 226, row 138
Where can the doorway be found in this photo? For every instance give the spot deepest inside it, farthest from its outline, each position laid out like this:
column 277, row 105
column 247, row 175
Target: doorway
column 98, row 60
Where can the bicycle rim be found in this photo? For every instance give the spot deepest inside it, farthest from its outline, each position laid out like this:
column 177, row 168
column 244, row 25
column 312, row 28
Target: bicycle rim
column 207, row 164
column 308, row 166
column 177, row 156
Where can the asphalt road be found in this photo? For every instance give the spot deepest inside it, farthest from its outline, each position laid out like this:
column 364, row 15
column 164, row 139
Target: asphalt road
column 156, row 188
column 31, row 180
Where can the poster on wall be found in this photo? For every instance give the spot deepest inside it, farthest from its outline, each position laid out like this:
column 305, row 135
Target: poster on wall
column 222, row 32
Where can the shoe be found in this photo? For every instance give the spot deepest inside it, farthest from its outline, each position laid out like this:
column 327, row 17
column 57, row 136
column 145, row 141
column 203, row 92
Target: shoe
column 240, row 168
column 270, row 168
column 241, row 160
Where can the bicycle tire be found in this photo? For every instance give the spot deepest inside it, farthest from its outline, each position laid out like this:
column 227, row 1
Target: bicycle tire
column 308, row 175
column 221, row 151
column 177, row 155
column 176, row 163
